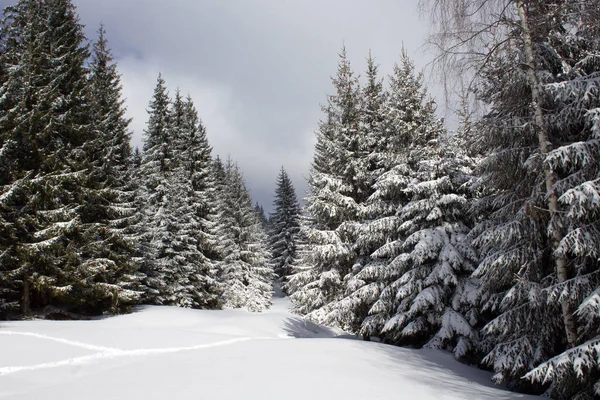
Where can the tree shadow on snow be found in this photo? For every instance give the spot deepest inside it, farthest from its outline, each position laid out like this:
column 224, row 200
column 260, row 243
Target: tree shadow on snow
column 439, row 368
column 301, row 329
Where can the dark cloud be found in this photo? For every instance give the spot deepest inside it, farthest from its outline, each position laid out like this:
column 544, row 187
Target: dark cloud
column 256, row 69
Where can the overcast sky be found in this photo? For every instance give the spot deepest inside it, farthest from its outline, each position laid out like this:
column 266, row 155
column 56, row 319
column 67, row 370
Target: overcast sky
column 257, row 70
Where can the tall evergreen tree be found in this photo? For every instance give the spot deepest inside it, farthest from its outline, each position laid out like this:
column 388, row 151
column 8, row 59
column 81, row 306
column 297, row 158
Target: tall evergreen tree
column 575, row 95
column 429, row 297
column 193, row 231
column 44, row 129
column 358, row 294
column 403, row 105
column 284, row 226
column 538, row 265
column 332, row 206
column 107, row 110
column 109, row 206
column 410, row 283
column 246, row 277
column 199, row 160
column 262, row 216
column 156, row 164
column 558, row 272
column 176, row 171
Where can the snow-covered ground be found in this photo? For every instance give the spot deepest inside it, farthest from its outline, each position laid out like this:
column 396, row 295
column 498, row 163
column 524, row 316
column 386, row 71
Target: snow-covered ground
column 173, row 353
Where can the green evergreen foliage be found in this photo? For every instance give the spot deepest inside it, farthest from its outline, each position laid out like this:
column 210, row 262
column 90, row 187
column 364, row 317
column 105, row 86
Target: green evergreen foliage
column 357, row 295
column 245, row 273
column 44, row 132
column 154, row 168
column 191, row 184
column 537, row 76
column 410, row 281
column 178, row 216
column 429, row 298
column 262, row 217
column 518, row 237
column 284, row 227
column 197, row 157
column 333, row 204
column 109, row 207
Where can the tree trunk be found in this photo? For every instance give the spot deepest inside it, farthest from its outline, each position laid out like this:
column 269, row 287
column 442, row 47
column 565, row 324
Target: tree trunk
column 25, row 308
column 562, row 272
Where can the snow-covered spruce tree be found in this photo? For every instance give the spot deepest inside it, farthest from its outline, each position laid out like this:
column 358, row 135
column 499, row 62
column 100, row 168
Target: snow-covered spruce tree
column 180, row 273
column 575, row 92
column 178, row 252
column 10, row 184
column 572, row 111
column 284, row 226
column 359, row 293
column 109, row 198
column 332, row 206
column 516, row 258
column 245, row 274
column 403, row 102
column 536, row 262
column 195, row 228
column 157, row 160
column 203, row 184
column 262, row 216
column 43, row 120
column 424, row 267
column 537, row 77
column 433, row 296
column 107, row 112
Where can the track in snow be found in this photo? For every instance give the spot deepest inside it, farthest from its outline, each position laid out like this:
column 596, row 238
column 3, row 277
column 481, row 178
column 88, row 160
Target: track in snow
column 107, row 352
column 74, row 343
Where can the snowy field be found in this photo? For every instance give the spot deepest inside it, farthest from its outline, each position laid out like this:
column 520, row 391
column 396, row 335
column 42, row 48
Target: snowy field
column 173, row 353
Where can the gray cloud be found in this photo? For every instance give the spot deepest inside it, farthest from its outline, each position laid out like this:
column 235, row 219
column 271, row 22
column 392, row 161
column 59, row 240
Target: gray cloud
column 256, row 69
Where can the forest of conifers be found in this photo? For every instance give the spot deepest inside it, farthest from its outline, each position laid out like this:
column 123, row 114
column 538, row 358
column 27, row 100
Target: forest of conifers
column 483, row 240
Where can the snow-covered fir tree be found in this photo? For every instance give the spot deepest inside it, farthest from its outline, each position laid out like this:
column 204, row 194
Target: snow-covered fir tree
column 426, row 297
column 404, row 102
column 516, row 257
column 430, row 298
column 180, row 256
column 177, row 185
column 284, row 227
column 245, row 273
column 357, row 294
column 262, row 216
column 44, row 130
column 157, row 160
column 196, row 226
column 332, row 206
column 105, row 242
column 575, row 92
column 535, row 67
column 538, row 238
column 410, row 282
column 203, row 183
